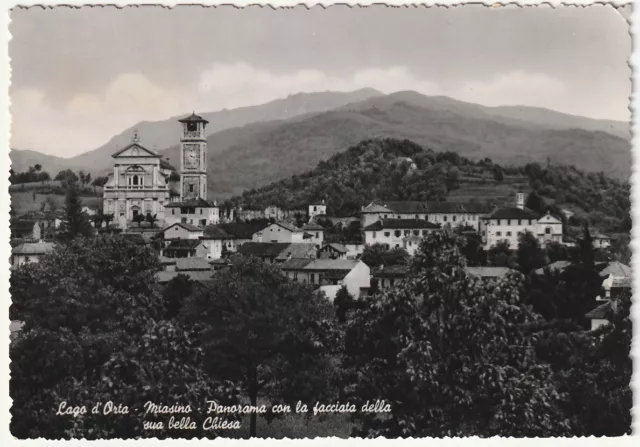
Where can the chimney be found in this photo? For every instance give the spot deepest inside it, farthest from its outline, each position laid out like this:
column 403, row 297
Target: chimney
column 520, row 200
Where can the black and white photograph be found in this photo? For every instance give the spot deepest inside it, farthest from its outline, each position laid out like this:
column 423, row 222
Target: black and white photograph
column 313, row 222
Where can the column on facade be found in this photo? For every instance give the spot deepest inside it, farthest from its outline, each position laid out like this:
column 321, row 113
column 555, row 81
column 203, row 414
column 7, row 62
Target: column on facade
column 115, row 176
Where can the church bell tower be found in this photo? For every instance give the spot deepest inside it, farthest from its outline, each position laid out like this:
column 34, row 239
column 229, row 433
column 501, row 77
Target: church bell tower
column 193, row 158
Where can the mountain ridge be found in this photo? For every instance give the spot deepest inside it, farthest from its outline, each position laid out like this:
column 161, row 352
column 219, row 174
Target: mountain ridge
column 253, row 153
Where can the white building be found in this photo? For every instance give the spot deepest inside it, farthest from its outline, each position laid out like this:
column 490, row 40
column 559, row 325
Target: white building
column 457, row 214
column 138, row 184
column 279, row 232
column 181, row 230
column 314, row 233
column 317, row 209
column 216, row 242
column 392, row 210
column 508, row 223
column 393, row 232
column 601, row 241
column 197, row 212
column 30, row 252
column 353, row 274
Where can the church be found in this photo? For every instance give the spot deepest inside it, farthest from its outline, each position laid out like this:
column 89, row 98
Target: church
column 139, row 184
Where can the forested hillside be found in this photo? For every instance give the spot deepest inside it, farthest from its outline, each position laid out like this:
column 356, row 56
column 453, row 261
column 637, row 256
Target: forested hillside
column 390, row 169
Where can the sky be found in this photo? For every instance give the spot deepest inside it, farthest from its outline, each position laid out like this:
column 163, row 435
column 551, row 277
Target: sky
column 80, row 76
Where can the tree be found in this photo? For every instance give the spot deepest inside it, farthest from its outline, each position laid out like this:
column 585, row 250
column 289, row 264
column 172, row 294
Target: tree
column 377, row 255
column 138, row 218
column 174, row 295
column 454, row 353
column 535, row 202
column 598, row 381
column 500, row 255
column 271, row 335
column 67, row 176
column 529, row 254
column 108, row 218
column 152, row 219
column 498, row 175
column 94, row 332
column 75, row 222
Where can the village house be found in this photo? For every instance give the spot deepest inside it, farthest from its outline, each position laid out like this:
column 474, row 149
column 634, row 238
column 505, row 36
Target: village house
column 196, row 269
column 390, row 275
column 30, row 252
column 197, row 212
column 411, row 244
column 314, row 233
column 181, row 230
column 456, row 214
column 392, row 232
column 273, row 212
column 601, row 240
column 243, row 231
column 508, row 223
column 376, row 211
column 330, row 274
column 317, row 209
column 277, row 252
column 245, row 215
column 333, row 251
column 279, row 232
column 22, row 228
column 185, row 248
column 217, row 242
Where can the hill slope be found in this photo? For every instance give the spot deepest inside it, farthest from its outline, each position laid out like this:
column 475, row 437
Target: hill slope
column 377, row 169
column 261, row 152
column 257, row 154
column 159, row 135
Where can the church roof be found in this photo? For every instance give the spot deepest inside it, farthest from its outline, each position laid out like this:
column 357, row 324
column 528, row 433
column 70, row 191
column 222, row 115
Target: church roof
column 149, row 151
column 193, row 118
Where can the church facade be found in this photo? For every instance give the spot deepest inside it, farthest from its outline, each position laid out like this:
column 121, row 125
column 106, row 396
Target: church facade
column 138, row 184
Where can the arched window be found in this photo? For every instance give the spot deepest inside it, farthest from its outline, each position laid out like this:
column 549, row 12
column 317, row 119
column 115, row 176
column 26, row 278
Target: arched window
column 135, row 179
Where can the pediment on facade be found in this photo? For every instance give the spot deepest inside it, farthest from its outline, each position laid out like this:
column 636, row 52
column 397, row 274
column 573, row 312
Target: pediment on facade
column 135, row 150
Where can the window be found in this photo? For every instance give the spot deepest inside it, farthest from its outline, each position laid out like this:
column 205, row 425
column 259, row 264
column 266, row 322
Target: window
column 547, row 230
column 27, row 259
column 508, row 233
column 417, row 216
column 424, row 232
column 173, row 211
column 387, row 233
column 190, row 188
column 398, row 233
column 416, row 232
column 444, row 218
column 498, row 233
column 192, row 127
column 385, row 216
column 453, row 218
column 373, row 234
column 317, row 234
column 200, row 210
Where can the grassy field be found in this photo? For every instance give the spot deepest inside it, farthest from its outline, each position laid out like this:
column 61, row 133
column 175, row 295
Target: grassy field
column 23, row 202
column 486, row 188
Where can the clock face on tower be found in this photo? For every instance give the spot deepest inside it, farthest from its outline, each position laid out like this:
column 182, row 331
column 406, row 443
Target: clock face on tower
column 191, row 156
